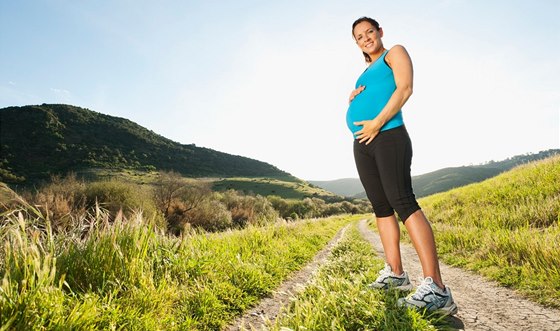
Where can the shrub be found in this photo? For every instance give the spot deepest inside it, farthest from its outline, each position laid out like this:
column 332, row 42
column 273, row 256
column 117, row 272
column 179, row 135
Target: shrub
column 281, row 205
column 247, row 209
column 60, row 200
column 176, row 197
column 307, row 208
column 210, row 215
column 168, row 186
column 115, row 195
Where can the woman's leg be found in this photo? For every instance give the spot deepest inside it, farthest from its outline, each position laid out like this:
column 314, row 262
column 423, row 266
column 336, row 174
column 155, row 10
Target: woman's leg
column 389, row 232
column 394, row 156
column 422, row 236
column 386, row 221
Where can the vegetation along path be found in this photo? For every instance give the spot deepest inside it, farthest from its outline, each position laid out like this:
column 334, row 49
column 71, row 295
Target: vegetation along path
column 269, row 307
column 482, row 304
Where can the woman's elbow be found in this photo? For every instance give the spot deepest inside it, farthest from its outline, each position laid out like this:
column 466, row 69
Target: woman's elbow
column 407, row 91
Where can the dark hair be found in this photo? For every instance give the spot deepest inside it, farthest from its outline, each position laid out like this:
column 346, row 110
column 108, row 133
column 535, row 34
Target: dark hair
column 372, row 22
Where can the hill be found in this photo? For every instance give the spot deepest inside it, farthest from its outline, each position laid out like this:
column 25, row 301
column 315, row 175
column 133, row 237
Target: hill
column 506, row 228
column 268, row 186
column 441, row 180
column 347, row 187
column 448, row 178
column 37, row 141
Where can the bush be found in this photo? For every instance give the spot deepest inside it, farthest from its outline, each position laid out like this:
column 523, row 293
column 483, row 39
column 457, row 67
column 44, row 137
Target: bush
column 315, row 207
column 60, row 200
column 247, row 209
column 282, row 206
column 115, row 195
column 210, row 215
column 168, row 186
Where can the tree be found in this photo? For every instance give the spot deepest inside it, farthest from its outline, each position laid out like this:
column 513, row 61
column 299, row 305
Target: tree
column 168, row 187
column 178, row 199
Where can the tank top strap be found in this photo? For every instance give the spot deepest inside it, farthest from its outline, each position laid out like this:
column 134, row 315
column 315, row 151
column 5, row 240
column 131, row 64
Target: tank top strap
column 384, row 59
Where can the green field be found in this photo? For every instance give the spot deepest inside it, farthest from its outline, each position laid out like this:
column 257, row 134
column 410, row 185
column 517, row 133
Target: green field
column 284, row 188
column 338, row 298
column 506, row 228
column 125, row 273
column 269, row 186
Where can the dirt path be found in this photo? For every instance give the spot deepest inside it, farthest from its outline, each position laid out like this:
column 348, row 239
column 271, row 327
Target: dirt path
column 483, row 305
column 269, row 307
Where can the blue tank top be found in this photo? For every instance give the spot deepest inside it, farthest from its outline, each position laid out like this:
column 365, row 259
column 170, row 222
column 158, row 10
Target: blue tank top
column 380, row 84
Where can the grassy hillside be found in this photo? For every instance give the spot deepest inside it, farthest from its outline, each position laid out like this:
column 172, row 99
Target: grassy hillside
column 124, row 274
column 287, row 189
column 448, row 178
column 268, row 186
column 40, row 140
column 506, row 228
column 347, row 187
column 441, row 180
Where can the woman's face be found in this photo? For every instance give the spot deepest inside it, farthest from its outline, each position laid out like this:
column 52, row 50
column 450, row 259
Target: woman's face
column 368, row 37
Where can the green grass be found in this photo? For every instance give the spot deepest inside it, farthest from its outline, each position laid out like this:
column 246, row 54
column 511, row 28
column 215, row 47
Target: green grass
column 125, row 175
column 505, row 228
column 125, row 275
column 338, row 299
column 269, row 186
column 285, row 188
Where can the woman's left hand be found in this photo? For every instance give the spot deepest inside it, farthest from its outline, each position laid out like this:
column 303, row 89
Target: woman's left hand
column 369, row 130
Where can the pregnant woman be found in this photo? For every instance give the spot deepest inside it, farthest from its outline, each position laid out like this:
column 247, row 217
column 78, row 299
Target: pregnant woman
column 383, row 154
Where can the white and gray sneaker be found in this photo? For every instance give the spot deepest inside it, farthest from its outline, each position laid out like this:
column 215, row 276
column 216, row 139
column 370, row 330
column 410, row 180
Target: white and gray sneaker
column 430, row 297
column 388, row 279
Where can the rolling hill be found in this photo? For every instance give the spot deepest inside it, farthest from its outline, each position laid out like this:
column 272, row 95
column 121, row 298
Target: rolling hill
column 440, row 180
column 505, row 227
column 37, row 141
column 347, row 187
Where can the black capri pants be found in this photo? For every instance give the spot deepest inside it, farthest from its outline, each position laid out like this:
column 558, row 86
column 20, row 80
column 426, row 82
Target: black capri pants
column 384, row 170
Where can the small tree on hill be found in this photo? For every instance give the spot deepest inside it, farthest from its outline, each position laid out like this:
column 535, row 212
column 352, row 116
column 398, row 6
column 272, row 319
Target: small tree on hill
column 178, row 198
column 168, row 187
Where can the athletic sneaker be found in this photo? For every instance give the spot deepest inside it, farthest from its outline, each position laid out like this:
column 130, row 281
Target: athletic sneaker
column 388, row 279
column 430, row 297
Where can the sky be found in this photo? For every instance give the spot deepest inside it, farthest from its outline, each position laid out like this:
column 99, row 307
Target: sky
column 270, row 80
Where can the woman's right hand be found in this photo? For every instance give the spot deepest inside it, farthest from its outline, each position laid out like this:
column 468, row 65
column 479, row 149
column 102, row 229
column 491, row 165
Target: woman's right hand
column 356, row 92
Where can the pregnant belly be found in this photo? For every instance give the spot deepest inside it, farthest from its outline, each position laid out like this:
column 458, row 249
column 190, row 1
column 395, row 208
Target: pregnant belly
column 363, row 107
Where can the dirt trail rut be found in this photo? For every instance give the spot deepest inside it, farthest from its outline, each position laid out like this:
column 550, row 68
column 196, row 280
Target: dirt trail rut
column 483, row 305
column 269, row 307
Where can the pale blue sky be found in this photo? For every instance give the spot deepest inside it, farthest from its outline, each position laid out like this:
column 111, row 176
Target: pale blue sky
column 270, row 79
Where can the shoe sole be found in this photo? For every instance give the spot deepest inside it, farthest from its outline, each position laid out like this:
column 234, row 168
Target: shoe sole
column 451, row 310
column 446, row 311
column 403, row 288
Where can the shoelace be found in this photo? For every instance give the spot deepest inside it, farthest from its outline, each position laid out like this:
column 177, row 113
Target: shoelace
column 424, row 288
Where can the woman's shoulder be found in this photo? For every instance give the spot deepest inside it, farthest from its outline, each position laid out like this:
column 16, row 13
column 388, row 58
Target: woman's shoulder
column 396, row 52
column 396, row 49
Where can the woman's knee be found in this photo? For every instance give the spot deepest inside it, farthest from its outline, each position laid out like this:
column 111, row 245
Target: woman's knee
column 382, row 209
column 404, row 206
